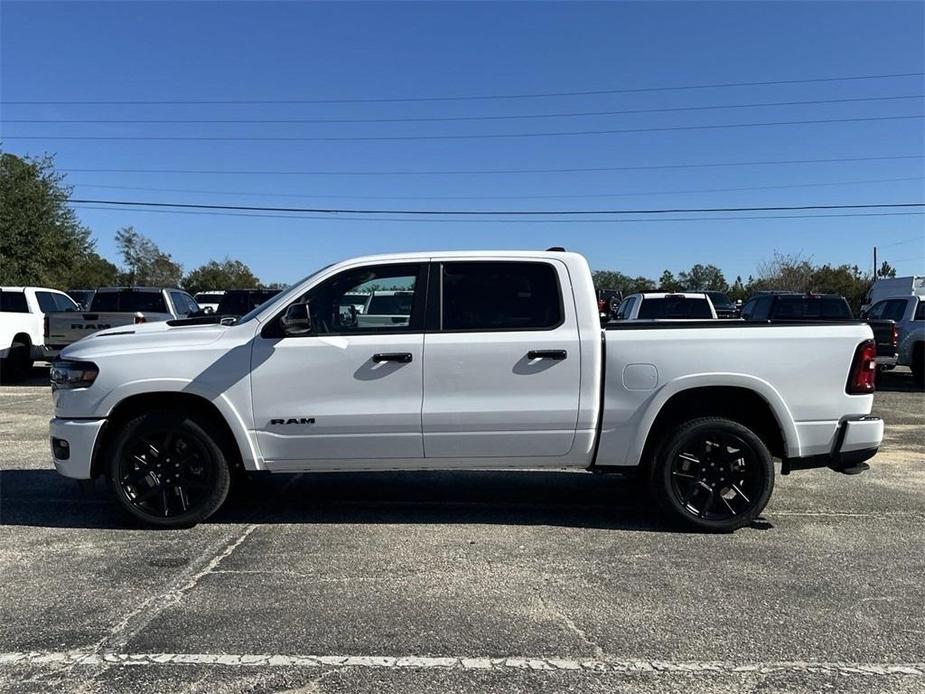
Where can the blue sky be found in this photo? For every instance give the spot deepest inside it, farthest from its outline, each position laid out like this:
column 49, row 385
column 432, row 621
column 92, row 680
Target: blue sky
column 201, row 51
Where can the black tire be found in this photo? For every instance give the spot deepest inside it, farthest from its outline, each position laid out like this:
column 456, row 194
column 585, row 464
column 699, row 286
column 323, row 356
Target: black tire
column 168, row 469
column 713, row 475
column 918, row 365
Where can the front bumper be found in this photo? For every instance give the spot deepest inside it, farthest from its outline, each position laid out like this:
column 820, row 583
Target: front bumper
column 73, row 442
column 856, row 440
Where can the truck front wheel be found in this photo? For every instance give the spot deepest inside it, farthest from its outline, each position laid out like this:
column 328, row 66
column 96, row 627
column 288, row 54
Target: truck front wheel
column 713, row 474
column 167, row 469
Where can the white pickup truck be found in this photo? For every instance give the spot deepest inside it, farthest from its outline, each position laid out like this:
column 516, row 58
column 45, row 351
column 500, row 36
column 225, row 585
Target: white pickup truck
column 501, row 363
column 22, row 315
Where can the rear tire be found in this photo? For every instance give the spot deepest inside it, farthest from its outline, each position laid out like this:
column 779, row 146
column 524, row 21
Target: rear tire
column 918, row 365
column 713, row 475
column 168, row 470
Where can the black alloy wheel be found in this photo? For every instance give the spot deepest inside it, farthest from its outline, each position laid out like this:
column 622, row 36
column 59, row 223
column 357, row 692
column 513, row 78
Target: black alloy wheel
column 714, row 474
column 167, row 470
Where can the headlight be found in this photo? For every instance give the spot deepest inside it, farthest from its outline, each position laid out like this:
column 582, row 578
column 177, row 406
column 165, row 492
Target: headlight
column 72, row 374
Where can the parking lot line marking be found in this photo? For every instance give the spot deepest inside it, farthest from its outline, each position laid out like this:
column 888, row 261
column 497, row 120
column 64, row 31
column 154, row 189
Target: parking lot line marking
column 411, row 662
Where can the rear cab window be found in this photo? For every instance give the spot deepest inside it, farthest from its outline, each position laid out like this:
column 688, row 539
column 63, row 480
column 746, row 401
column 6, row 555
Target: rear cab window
column 500, row 296
column 811, row 307
column 674, row 307
column 129, row 301
column 13, row 302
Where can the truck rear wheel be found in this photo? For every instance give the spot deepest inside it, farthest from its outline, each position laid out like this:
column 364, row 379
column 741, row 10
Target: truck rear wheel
column 918, row 364
column 18, row 362
column 713, row 474
column 167, row 469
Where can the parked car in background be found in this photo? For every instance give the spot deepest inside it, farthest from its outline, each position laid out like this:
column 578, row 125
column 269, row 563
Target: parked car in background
column 723, row 305
column 22, row 317
column 793, row 306
column 608, row 300
column 887, row 340
column 666, row 306
column 237, row 302
column 113, row 307
column 209, row 300
column 907, row 313
column 499, row 362
column 890, row 287
column 83, row 297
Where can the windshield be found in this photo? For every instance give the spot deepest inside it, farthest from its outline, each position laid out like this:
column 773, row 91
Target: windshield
column 280, row 298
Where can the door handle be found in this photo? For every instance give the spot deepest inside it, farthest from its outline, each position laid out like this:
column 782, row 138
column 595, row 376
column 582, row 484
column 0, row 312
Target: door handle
column 557, row 354
column 401, row 357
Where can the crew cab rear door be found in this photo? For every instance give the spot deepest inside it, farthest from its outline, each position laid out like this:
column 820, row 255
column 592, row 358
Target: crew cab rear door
column 501, row 360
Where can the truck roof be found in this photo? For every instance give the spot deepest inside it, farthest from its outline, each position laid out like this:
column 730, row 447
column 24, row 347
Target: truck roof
column 468, row 255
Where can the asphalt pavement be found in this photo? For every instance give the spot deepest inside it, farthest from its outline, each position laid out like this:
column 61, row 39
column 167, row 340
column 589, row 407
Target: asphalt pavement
column 463, row 581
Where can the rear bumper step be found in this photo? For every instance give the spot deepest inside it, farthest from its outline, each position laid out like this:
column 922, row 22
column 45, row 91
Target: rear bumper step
column 861, row 436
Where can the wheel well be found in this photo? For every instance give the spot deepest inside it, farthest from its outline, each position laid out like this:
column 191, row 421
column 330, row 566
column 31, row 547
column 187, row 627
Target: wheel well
column 738, row 404
column 187, row 403
column 23, row 338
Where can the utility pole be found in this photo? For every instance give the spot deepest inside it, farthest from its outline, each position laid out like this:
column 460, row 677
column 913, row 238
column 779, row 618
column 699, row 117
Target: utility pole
column 875, row 262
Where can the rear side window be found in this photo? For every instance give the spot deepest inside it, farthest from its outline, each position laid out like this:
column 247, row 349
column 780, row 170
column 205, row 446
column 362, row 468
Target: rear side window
column 129, row 301
column 488, row 296
column 673, row 307
column 800, row 307
column 13, row 302
column 895, row 309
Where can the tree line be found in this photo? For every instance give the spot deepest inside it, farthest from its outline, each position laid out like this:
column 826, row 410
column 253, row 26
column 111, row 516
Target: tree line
column 42, row 242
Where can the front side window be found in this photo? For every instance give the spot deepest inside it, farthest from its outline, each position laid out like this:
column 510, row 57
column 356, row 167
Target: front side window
column 383, row 298
column 46, row 302
column 876, row 311
column 762, row 308
column 895, row 309
column 491, row 296
column 920, row 311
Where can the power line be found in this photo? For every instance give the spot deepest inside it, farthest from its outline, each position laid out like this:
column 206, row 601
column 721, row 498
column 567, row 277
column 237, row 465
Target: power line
column 482, row 220
column 489, row 136
column 499, row 197
column 254, row 208
column 468, row 172
column 476, row 97
column 283, row 121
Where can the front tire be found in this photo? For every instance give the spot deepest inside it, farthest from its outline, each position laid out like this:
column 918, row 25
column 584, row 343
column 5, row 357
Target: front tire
column 713, row 475
column 168, row 470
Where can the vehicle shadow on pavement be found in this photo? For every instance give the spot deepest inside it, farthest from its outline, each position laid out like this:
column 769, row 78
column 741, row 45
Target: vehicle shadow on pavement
column 36, row 376
column 897, row 382
column 42, row 498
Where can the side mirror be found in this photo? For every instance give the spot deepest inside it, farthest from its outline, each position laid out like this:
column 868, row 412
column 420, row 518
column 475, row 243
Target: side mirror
column 208, row 310
column 297, row 320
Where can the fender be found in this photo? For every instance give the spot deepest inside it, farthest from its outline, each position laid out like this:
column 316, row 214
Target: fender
column 236, row 422
column 761, row 387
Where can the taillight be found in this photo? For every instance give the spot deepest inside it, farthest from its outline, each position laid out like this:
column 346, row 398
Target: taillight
column 139, row 319
column 861, row 379
column 46, row 326
column 895, row 335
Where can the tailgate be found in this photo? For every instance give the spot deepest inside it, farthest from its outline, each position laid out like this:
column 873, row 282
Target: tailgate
column 883, row 336
column 69, row 326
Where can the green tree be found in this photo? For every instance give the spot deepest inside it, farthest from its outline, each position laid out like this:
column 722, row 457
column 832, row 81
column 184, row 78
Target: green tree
column 886, row 270
column 228, row 274
column 668, row 282
column 93, row 272
column 738, row 292
column 703, row 277
column 610, row 279
column 41, row 240
column 145, row 263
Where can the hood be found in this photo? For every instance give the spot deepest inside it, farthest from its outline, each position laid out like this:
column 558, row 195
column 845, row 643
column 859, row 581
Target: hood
column 143, row 337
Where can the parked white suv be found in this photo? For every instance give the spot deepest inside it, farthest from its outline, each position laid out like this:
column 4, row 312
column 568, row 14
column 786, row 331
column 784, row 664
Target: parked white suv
column 22, row 325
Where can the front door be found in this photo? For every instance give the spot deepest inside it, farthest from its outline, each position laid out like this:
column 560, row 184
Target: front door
column 502, row 363
column 350, row 388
